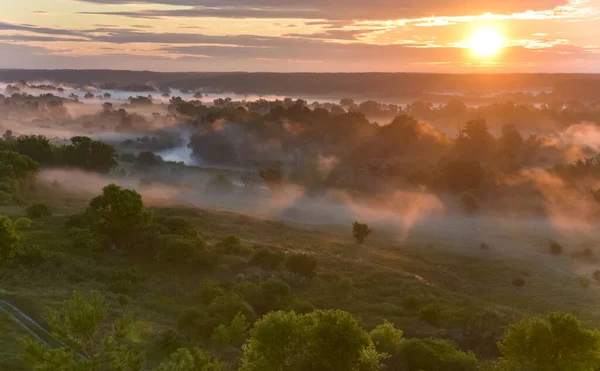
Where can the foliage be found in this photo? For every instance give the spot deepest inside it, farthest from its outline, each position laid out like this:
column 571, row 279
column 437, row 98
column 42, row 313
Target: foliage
column 230, row 245
column 321, row 340
column 169, row 340
column 302, row 265
column 387, row 338
column 78, row 320
column 557, row 343
column 16, row 165
column 119, row 213
column 435, row 355
column 267, row 259
column 272, row 176
column 360, row 231
column 10, row 243
column 430, row 313
column 231, row 334
column 208, row 290
column 190, row 360
column 227, row 307
column 22, row 223
column 37, row 211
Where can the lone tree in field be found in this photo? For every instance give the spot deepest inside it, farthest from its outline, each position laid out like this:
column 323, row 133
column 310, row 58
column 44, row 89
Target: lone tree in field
column 9, row 240
column 120, row 213
column 360, row 231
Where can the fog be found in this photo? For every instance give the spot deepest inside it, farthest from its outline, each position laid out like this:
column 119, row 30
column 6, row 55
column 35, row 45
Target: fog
column 338, row 167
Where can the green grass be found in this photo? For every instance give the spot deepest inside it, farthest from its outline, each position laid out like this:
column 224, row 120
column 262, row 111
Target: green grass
column 382, row 279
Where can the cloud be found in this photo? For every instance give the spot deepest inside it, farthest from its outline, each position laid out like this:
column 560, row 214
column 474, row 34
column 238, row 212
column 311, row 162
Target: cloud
column 331, row 9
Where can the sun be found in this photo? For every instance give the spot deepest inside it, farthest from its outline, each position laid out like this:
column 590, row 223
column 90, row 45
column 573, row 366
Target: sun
column 486, row 42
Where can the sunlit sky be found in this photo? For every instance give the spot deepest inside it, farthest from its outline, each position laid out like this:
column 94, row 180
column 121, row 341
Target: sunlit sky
column 308, row 35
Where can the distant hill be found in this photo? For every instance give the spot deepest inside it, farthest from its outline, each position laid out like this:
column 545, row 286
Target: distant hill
column 339, row 84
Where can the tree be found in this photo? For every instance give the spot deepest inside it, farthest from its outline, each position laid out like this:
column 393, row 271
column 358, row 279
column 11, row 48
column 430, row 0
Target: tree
column 303, row 265
column 10, row 244
column 360, row 231
column 77, row 324
column 321, row 340
column 435, row 355
column 88, row 154
column 39, row 211
column 78, row 320
column 37, row 147
column 16, row 165
column 557, row 343
column 120, row 213
column 190, row 360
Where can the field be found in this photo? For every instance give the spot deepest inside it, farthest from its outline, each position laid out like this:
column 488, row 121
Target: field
column 466, row 285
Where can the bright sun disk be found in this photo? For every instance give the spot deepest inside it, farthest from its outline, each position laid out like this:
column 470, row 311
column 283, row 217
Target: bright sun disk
column 486, row 42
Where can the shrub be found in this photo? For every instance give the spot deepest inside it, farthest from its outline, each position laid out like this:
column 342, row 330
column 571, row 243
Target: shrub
column 169, row 340
column 360, row 231
column 10, row 243
column 225, row 308
column 518, row 282
column 484, row 246
column 302, row 265
column 411, row 303
column 230, row 245
column 38, row 211
column 430, row 313
column 178, row 249
column 436, row 354
column 123, row 300
column 208, row 290
column 196, row 324
column 178, row 226
column 596, row 275
column 556, row 248
column 267, row 259
column 274, row 295
column 23, row 223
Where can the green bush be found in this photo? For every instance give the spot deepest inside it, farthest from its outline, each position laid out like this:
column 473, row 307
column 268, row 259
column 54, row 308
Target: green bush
column 123, row 300
column 274, row 295
column 23, row 223
column 436, row 355
column 10, row 243
column 555, row 248
column 38, row 211
column 230, row 245
column 225, row 308
column 208, row 290
column 267, row 259
column 169, row 340
column 302, row 265
column 196, row 324
column 430, row 313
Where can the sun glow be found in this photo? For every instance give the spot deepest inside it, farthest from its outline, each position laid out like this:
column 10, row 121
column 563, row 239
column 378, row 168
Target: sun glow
column 486, row 42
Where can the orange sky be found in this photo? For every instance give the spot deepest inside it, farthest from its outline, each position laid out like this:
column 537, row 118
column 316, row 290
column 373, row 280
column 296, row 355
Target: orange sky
column 309, row 35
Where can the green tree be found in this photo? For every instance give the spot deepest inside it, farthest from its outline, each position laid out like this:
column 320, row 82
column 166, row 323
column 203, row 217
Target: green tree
column 190, row 360
column 232, row 334
column 37, row 147
column 557, row 343
column 15, row 165
column 78, row 320
column 320, row 340
column 120, row 214
column 88, row 154
column 360, row 231
column 39, row 211
column 10, row 243
column 77, row 324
